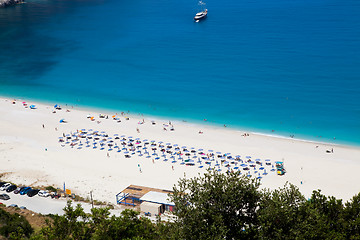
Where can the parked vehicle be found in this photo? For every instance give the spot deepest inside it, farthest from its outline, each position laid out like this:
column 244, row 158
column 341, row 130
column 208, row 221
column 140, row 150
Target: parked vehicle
column 43, row 193
column 32, row 192
column 25, row 190
column 4, row 197
column 11, row 188
column 55, row 195
column 13, row 205
column 2, row 183
column 22, row 207
column 5, row 186
column 16, row 191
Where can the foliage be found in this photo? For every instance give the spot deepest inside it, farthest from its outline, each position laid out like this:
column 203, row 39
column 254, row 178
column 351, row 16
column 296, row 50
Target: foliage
column 76, row 224
column 216, row 206
column 14, row 226
column 227, row 206
column 51, row 189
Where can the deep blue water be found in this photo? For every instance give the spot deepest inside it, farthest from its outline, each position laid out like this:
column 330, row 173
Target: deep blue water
column 292, row 66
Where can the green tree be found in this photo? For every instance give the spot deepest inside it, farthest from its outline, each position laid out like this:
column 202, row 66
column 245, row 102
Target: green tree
column 325, row 215
column 352, row 218
column 76, row 224
column 279, row 213
column 216, row 206
column 72, row 225
column 14, row 226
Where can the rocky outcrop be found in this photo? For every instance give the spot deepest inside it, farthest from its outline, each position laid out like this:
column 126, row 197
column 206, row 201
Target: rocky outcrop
column 5, row 3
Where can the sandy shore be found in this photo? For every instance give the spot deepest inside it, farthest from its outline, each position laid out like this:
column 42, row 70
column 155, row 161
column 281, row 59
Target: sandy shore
column 30, row 153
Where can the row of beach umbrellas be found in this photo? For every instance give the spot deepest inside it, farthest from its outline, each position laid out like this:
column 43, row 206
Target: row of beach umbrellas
column 131, row 147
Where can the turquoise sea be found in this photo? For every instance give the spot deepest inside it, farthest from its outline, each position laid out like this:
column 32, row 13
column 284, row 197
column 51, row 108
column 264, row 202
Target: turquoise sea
column 292, row 66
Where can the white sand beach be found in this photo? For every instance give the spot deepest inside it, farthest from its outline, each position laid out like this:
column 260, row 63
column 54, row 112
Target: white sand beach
column 30, row 153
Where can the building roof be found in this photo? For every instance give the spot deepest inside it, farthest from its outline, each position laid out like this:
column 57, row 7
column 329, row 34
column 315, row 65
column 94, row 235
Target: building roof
column 157, row 197
column 139, row 191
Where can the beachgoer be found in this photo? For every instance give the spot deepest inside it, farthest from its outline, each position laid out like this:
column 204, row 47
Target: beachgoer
column 332, row 150
column 172, row 167
column 137, row 129
column 43, row 126
column 108, row 155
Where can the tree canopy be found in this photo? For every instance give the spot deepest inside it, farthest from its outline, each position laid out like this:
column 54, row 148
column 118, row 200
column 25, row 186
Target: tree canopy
column 211, row 206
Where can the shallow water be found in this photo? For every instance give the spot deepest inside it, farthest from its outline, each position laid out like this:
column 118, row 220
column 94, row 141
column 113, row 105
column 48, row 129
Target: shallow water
column 287, row 66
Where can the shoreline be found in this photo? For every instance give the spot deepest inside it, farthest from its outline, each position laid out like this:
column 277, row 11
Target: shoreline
column 31, row 153
column 194, row 122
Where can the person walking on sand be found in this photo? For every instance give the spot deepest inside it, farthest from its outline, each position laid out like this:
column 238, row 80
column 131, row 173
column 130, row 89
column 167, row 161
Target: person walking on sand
column 43, row 126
